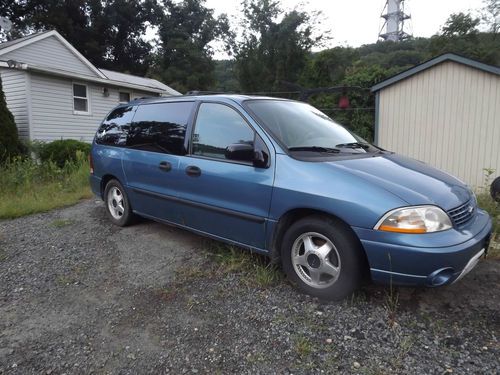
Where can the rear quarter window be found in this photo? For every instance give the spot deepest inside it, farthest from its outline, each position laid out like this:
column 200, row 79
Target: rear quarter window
column 160, row 127
column 114, row 129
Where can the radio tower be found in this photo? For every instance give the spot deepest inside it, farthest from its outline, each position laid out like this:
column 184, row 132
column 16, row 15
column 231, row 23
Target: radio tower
column 394, row 21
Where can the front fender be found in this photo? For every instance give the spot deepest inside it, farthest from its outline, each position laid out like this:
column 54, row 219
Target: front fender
column 321, row 187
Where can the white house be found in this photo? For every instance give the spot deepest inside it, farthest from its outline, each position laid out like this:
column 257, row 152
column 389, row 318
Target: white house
column 445, row 112
column 54, row 92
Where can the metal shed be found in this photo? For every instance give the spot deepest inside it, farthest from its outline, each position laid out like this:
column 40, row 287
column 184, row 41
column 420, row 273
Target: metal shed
column 445, row 112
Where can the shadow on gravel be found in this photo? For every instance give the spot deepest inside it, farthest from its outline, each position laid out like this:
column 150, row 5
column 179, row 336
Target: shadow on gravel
column 78, row 295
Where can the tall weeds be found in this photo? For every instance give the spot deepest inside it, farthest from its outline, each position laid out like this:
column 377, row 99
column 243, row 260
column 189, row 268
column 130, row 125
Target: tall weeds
column 28, row 186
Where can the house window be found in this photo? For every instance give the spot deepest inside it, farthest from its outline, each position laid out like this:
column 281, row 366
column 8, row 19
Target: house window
column 124, row 97
column 80, row 99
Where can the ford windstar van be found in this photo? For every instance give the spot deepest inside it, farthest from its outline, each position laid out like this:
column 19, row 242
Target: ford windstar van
column 281, row 178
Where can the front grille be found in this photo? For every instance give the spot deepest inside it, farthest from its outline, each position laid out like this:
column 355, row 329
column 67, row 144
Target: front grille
column 462, row 214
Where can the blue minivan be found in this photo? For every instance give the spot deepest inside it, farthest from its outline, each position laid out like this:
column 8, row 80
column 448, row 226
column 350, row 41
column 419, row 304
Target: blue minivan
column 281, row 178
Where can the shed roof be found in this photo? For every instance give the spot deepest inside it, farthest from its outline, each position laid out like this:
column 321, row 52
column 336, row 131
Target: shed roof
column 435, row 61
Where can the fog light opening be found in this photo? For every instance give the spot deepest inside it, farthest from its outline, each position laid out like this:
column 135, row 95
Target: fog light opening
column 440, row 277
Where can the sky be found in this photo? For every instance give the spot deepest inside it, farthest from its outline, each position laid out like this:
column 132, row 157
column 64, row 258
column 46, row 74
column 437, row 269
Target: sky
column 358, row 22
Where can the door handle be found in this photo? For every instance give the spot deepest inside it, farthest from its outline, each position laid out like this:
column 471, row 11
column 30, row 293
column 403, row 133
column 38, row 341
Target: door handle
column 193, row 171
column 165, row 166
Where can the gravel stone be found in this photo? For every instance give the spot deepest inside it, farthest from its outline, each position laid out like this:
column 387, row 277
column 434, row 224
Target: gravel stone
column 89, row 297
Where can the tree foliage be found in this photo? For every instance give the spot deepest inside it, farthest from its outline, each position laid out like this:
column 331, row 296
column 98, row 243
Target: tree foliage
column 367, row 65
column 491, row 15
column 273, row 46
column 184, row 58
column 9, row 141
column 110, row 33
column 272, row 49
column 328, row 67
column 460, row 24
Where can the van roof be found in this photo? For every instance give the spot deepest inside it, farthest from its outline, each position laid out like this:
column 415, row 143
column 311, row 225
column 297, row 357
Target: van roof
column 238, row 98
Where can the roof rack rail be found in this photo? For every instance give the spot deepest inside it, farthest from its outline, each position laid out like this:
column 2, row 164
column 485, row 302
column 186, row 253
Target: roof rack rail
column 145, row 98
column 199, row 92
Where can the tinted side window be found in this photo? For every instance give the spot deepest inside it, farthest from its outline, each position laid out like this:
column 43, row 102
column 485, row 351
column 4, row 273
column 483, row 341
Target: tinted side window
column 160, row 127
column 113, row 130
column 218, row 126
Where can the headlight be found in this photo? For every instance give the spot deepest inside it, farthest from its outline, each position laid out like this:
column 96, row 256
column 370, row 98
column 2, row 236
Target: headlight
column 418, row 219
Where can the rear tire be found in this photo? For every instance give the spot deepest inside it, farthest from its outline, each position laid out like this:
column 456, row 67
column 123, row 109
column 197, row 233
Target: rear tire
column 323, row 257
column 117, row 204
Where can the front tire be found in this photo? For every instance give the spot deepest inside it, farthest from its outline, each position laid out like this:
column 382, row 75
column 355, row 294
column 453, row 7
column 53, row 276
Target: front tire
column 117, row 204
column 323, row 257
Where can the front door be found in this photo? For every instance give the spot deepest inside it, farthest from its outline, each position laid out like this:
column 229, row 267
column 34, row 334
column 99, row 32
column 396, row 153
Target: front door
column 222, row 197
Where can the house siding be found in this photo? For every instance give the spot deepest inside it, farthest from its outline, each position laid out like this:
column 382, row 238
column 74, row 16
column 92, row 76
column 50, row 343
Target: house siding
column 49, row 52
column 14, row 84
column 52, row 108
column 447, row 116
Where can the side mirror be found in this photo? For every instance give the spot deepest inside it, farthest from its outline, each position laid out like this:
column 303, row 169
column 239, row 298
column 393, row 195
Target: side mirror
column 240, row 152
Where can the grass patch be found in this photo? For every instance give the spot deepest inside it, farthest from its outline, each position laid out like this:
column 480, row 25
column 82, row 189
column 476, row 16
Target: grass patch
column 222, row 259
column 267, row 275
column 485, row 201
column 28, row 187
column 254, row 268
column 302, row 346
column 65, row 280
column 59, row 223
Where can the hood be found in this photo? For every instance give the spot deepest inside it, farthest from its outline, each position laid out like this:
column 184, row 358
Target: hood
column 411, row 180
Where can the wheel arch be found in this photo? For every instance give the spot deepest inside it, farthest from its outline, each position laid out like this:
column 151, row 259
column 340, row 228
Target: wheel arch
column 292, row 216
column 104, row 181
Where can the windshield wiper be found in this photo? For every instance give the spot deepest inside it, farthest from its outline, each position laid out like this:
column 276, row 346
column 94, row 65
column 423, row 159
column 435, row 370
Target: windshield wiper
column 314, row 148
column 354, row 145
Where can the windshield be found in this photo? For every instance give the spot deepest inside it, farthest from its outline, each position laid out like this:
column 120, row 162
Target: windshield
column 301, row 127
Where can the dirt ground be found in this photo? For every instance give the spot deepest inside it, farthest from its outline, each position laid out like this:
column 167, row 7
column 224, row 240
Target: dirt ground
column 79, row 295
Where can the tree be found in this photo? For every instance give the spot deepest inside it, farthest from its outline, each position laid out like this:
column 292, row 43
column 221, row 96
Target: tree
column 125, row 22
column 461, row 36
column 273, row 51
column 225, row 77
column 184, row 59
column 327, row 68
column 107, row 32
column 460, row 24
column 9, row 140
column 361, row 118
column 491, row 15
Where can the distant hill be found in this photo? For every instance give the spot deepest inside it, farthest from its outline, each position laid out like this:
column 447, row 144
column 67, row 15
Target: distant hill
column 330, row 66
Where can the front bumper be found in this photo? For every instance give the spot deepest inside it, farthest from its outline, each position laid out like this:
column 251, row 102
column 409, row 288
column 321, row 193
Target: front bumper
column 432, row 259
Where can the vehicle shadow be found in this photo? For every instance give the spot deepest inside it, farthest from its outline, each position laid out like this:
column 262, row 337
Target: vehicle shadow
column 477, row 291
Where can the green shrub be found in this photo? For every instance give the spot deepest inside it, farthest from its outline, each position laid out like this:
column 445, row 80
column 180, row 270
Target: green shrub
column 62, row 151
column 10, row 145
column 28, row 186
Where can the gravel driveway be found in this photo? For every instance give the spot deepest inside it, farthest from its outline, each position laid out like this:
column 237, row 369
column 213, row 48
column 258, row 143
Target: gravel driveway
column 78, row 295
